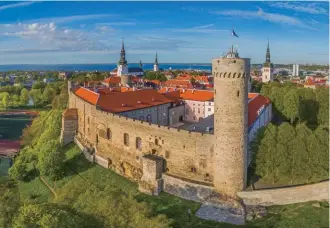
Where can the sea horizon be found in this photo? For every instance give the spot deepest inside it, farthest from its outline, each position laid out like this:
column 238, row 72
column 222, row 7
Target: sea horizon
column 100, row 66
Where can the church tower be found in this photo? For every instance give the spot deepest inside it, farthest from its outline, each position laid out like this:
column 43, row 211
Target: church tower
column 156, row 66
column 267, row 69
column 122, row 64
column 231, row 74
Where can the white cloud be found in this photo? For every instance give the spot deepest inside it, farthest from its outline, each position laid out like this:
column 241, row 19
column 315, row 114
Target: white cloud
column 105, row 29
column 310, row 8
column 200, row 29
column 51, row 37
column 61, row 20
column 271, row 17
column 119, row 23
column 15, row 5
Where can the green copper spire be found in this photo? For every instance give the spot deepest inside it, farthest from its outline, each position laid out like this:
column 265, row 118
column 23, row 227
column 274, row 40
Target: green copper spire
column 268, row 53
column 156, row 60
column 122, row 60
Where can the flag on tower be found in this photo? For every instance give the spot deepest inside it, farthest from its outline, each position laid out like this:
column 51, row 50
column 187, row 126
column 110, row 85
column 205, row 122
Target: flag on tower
column 233, row 33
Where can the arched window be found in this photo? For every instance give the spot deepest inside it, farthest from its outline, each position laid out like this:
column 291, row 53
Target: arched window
column 141, row 118
column 237, row 93
column 138, row 143
column 149, row 118
column 156, row 142
column 126, row 139
column 109, row 133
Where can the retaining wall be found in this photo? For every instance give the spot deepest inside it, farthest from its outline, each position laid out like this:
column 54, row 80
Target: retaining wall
column 287, row 195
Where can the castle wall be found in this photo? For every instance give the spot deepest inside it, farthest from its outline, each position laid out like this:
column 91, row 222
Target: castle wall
column 186, row 154
column 286, row 195
column 230, row 123
column 187, row 190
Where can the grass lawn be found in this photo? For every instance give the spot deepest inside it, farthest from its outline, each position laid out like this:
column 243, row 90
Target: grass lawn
column 77, row 168
column 11, row 127
column 34, row 191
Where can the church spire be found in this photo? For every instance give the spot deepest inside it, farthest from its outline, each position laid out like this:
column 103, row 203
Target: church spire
column 268, row 53
column 156, row 59
column 122, row 60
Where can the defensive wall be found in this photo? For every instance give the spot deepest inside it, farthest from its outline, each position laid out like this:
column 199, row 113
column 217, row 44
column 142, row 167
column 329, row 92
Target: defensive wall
column 184, row 154
column 287, row 195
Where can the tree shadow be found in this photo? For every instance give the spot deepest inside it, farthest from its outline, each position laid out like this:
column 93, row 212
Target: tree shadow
column 76, row 165
column 252, row 177
column 308, row 111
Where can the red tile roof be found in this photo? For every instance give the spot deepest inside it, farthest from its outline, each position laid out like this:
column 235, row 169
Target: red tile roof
column 178, row 83
column 253, row 107
column 87, row 95
column 112, row 80
column 121, row 102
column 190, row 94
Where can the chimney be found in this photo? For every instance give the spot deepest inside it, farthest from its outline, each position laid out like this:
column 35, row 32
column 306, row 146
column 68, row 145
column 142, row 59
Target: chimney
column 123, row 105
column 183, row 90
column 193, row 91
column 139, row 102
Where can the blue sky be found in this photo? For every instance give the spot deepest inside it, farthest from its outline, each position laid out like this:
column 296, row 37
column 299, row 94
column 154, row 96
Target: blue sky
column 181, row 32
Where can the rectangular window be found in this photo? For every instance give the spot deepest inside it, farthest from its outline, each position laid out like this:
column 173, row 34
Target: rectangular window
column 141, row 111
column 209, row 109
column 210, row 103
column 138, row 143
column 133, row 113
column 199, row 110
column 126, row 139
column 187, row 110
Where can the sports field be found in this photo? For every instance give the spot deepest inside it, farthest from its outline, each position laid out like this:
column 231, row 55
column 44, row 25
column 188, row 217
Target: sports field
column 11, row 126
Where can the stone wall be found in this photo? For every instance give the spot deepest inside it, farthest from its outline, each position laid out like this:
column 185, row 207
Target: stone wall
column 286, row 195
column 69, row 125
column 187, row 190
column 186, row 154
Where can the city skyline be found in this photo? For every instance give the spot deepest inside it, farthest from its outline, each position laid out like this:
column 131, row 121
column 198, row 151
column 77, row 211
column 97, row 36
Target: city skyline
column 180, row 32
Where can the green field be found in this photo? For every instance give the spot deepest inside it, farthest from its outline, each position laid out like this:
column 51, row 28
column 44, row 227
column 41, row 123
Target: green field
column 11, row 127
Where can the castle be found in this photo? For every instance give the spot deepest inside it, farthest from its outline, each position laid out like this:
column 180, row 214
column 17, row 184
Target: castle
column 160, row 157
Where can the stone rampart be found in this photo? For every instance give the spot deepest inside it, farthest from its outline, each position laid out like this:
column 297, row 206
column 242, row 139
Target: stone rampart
column 287, row 195
column 187, row 190
column 186, row 154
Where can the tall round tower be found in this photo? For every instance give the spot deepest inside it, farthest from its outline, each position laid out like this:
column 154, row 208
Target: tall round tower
column 231, row 74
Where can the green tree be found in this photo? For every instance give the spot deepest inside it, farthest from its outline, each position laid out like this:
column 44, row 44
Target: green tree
column 19, row 170
column 9, row 202
column 24, row 98
column 5, row 100
column 48, row 94
column 48, row 216
column 51, row 159
column 36, row 95
column 291, row 105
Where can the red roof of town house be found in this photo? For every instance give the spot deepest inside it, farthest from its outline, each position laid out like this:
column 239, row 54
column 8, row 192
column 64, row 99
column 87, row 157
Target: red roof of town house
column 87, row 95
column 112, row 80
column 252, row 95
column 178, row 83
column 122, row 102
column 190, row 94
column 309, row 82
column 253, row 107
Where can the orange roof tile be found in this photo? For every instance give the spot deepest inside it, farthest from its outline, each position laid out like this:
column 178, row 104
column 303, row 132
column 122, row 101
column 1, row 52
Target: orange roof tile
column 253, row 107
column 252, row 95
column 87, row 95
column 122, row 102
column 190, row 94
column 112, row 80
